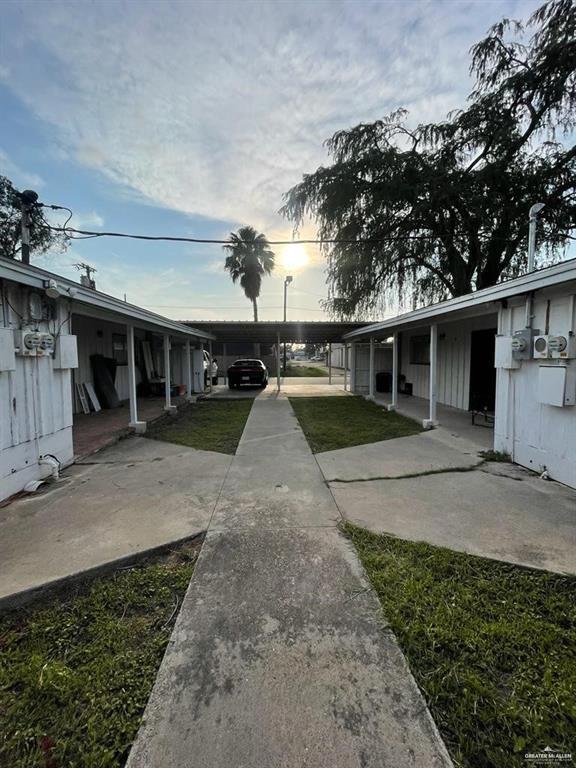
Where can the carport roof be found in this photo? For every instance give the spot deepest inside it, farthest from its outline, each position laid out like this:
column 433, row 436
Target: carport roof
column 268, row 331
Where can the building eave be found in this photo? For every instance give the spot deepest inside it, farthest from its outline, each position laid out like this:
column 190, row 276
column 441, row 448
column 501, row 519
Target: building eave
column 478, row 302
column 81, row 296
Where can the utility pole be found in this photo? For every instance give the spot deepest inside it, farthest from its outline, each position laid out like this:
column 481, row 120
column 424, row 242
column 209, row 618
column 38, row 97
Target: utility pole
column 28, row 198
column 86, row 279
column 287, row 282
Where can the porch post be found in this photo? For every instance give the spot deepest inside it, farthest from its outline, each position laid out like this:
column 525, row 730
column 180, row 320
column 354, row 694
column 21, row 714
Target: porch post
column 278, row 361
column 352, row 366
column 210, row 364
column 224, row 354
column 167, row 382
column 371, row 372
column 432, row 421
column 394, row 404
column 188, row 365
column 345, row 366
column 203, row 379
column 329, row 362
column 139, row 426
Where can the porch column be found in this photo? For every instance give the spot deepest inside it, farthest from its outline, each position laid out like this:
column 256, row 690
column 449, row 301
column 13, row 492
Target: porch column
column 203, row 379
column 371, row 372
column 278, row 361
column 188, row 365
column 353, row 366
column 432, row 421
column 345, row 366
column 224, row 354
column 329, row 362
column 394, row 404
column 167, row 382
column 139, row 426
column 210, row 364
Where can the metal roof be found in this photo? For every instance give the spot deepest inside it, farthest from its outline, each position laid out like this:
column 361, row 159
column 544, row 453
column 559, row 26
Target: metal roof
column 268, row 332
column 477, row 303
column 95, row 303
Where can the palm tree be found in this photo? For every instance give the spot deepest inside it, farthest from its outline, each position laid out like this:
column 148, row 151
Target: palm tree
column 249, row 259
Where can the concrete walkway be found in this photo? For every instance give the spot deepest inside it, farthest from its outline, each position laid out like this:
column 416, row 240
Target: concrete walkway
column 280, row 657
column 134, row 496
column 434, row 487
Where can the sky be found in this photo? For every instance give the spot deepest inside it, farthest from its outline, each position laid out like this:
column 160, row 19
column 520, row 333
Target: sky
column 194, row 118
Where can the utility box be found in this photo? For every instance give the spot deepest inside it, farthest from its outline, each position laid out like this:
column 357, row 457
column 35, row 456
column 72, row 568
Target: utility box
column 504, row 353
column 557, row 385
column 7, row 355
column 66, row 352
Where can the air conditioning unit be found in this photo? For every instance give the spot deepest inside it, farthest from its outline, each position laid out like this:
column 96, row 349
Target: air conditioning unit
column 540, row 347
column 27, row 343
column 562, row 346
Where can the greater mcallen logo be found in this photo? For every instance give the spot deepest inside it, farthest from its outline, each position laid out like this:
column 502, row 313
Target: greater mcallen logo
column 548, row 755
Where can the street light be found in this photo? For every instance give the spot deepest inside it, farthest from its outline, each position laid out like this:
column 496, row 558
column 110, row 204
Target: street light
column 532, row 218
column 287, row 280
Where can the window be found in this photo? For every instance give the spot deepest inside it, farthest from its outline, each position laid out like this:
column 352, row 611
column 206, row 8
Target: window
column 119, row 348
column 420, row 350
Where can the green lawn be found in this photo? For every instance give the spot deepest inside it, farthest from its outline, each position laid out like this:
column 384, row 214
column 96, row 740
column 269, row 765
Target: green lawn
column 213, row 425
column 339, row 422
column 305, row 370
column 492, row 646
column 76, row 673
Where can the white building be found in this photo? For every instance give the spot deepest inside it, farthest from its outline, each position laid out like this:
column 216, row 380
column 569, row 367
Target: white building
column 508, row 351
column 50, row 329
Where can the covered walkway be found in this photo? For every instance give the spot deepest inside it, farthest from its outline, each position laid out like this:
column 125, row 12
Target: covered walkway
column 453, row 420
column 265, row 340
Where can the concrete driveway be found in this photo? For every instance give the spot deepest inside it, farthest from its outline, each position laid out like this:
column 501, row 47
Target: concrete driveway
column 134, row 496
column 434, row 487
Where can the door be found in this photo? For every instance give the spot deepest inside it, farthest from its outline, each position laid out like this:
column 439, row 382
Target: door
column 482, row 371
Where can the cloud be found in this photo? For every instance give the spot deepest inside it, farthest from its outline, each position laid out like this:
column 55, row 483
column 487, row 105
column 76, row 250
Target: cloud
column 87, row 220
column 18, row 176
column 218, row 108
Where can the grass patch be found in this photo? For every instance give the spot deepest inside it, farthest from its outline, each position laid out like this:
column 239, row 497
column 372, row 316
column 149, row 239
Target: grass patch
column 499, row 456
column 76, row 672
column 305, row 370
column 340, row 422
column 212, row 425
column 492, row 646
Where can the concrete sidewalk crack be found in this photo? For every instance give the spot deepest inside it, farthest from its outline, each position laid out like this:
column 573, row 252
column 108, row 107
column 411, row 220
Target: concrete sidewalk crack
column 408, row 476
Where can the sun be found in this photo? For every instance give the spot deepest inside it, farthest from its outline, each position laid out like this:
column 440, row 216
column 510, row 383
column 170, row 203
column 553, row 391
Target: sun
column 294, row 257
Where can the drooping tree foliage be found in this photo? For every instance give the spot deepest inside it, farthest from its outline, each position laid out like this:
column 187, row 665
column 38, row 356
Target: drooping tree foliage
column 446, row 204
column 41, row 236
column 249, row 260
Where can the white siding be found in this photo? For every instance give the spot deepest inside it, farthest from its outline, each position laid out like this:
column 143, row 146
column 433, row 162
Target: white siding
column 35, row 402
column 537, row 436
column 454, row 342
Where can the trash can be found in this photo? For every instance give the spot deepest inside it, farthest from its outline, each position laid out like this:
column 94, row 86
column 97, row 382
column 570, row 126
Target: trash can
column 384, row 381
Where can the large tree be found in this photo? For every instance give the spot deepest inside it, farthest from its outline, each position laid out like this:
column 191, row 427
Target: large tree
column 249, row 260
column 41, row 236
column 444, row 206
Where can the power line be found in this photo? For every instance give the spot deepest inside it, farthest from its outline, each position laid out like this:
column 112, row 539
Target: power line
column 207, row 241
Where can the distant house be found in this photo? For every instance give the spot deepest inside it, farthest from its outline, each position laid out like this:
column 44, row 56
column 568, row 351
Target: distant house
column 60, row 344
column 508, row 352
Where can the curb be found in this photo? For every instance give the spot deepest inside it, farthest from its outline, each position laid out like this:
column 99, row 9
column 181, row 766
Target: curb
column 74, row 581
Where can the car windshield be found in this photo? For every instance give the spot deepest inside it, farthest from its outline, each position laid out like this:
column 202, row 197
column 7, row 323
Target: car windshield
column 248, row 363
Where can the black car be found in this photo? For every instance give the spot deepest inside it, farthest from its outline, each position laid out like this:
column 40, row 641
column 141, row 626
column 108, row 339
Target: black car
column 250, row 372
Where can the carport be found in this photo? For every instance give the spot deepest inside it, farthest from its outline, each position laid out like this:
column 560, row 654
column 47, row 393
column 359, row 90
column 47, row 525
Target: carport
column 267, row 337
